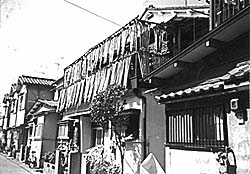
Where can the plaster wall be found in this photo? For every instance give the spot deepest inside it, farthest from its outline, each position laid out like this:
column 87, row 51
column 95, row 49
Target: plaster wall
column 20, row 118
column 155, row 129
column 85, row 133
column 195, row 162
column 12, row 120
column 50, row 126
column 239, row 141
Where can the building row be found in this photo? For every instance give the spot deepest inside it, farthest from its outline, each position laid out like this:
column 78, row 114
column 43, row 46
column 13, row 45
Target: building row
column 185, row 71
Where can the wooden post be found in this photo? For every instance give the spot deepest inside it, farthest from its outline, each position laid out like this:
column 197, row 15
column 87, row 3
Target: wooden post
column 57, row 162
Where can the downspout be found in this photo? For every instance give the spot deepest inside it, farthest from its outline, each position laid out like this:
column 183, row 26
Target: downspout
column 144, row 109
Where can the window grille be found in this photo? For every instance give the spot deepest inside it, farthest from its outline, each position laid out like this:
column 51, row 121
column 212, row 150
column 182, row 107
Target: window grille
column 201, row 127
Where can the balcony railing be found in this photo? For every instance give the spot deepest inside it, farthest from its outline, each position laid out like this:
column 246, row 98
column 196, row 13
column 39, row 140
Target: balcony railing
column 225, row 9
column 166, row 40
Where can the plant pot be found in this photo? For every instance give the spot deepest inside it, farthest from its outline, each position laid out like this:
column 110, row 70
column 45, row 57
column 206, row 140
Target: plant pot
column 48, row 168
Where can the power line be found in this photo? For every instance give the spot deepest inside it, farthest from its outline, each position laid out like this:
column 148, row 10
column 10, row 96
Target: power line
column 93, row 13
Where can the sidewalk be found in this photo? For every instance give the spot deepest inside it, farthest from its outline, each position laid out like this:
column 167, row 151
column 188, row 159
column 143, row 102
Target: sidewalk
column 22, row 165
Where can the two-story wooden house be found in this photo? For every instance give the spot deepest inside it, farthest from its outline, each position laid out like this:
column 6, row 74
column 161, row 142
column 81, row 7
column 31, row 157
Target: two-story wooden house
column 126, row 58
column 21, row 98
column 203, row 92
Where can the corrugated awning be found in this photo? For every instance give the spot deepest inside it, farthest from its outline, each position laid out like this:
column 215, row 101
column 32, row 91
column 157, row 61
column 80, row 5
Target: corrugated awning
column 235, row 78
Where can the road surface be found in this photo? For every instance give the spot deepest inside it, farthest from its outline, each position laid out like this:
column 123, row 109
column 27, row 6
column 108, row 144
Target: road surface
column 9, row 166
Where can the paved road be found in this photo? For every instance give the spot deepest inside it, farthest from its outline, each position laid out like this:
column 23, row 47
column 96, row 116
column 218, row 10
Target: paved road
column 8, row 166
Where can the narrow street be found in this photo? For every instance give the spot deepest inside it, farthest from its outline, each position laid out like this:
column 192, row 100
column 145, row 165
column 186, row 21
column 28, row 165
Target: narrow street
column 9, row 166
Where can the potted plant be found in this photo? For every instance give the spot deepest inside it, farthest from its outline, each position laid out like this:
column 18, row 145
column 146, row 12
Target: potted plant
column 49, row 163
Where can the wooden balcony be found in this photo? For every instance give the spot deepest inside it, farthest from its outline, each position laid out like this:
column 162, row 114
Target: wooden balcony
column 181, row 32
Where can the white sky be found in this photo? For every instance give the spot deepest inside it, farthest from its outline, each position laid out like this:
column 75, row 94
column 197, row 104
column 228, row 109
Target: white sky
column 38, row 35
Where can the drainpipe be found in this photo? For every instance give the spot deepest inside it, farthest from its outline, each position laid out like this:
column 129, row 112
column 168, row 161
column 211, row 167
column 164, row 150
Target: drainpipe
column 144, row 108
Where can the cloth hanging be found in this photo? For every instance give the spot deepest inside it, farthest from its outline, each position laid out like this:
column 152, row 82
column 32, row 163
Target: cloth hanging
column 84, row 67
column 79, row 93
column 87, row 85
column 105, row 52
column 118, row 72
column 111, row 50
column 113, row 73
column 121, row 73
column 91, row 87
column 108, row 78
column 102, row 79
column 126, row 71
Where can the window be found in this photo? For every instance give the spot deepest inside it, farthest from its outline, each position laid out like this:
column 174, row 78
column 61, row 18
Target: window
column 198, row 128
column 97, row 134
column 13, row 106
column 63, row 131
column 21, row 102
column 38, row 130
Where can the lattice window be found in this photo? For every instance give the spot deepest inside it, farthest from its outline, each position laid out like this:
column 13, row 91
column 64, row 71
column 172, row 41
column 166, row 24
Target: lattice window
column 201, row 127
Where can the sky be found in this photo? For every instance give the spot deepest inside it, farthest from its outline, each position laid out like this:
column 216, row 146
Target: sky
column 39, row 35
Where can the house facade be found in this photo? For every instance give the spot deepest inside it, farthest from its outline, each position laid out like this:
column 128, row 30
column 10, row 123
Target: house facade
column 126, row 58
column 19, row 101
column 203, row 93
column 42, row 130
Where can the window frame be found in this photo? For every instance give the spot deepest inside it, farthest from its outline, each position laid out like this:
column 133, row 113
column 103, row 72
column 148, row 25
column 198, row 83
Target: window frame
column 97, row 140
column 38, row 128
column 21, row 102
column 63, row 131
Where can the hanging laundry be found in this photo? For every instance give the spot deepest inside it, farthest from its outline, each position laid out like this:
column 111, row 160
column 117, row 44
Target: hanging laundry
column 120, row 73
column 88, row 79
column 125, row 34
column 82, row 87
column 145, row 36
column 91, row 86
column 102, row 79
column 126, row 71
column 105, row 52
column 111, row 50
column 113, row 73
column 96, row 85
column 84, row 67
column 107, row 78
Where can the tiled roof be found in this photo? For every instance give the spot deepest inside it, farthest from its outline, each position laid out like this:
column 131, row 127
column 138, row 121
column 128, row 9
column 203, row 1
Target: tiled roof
column 51, row 103
column 35, row 80
column 41, row 102
column 239, row 73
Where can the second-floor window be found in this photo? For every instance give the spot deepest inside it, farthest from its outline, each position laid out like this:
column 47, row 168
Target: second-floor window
column 38, row 130
column 21, row 105
column 13, row 106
